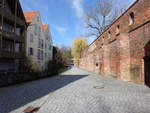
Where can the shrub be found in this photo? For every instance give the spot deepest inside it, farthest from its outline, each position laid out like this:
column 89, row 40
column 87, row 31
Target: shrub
column 53, row 67
column 28, row 65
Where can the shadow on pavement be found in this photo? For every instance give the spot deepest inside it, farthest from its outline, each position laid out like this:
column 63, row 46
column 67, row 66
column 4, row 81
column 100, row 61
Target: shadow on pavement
column 15, row 97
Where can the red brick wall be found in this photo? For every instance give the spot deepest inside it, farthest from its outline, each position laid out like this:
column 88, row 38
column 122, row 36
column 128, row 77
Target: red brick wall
column 121, row 55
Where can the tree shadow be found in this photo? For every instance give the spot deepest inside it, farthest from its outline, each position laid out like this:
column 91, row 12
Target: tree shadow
column 15, row 97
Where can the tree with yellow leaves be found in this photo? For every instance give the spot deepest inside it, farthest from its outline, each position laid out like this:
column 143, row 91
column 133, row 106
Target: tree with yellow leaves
column 78, row 45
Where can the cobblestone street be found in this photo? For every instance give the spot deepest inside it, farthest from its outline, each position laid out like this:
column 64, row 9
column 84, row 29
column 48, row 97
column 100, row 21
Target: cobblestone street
column 73, row 92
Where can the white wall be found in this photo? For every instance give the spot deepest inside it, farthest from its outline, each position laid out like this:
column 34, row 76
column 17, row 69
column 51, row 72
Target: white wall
column 35, row 44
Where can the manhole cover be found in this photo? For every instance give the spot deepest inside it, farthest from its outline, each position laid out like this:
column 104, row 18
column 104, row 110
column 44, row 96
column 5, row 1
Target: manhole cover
column 98, row 87
column 31, row 109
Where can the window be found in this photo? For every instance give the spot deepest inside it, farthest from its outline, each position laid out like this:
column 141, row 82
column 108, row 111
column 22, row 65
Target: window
column 30, row 51
column 31, row 38
column 45, row 45
column 42, row 44
column 35, row 29
column 47, row 37
column 109, row 34
column 45, row 55
column 7, row 7
column 39, row 44
column 131, row 18
column 42, row 55
column 39, row 29
column 17, row 47
column 117, row 29
column 38, row 19
column 97, row 64
column 7, row 27
column 1, row 4
column 49, row 55
column 103, row 39
column 39, row 55
column 18, row 31
column 50, row 47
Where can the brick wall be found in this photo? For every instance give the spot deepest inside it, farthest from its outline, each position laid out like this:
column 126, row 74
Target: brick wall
column 120, row 49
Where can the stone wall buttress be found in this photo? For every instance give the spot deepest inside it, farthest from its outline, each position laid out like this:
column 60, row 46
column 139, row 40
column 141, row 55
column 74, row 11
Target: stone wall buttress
column 124, row 57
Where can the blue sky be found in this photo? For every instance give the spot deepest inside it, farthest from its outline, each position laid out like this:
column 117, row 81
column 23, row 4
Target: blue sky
column 65, row 17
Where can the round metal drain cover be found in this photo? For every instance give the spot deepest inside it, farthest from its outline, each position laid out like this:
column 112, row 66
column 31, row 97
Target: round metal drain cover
column 98, row 87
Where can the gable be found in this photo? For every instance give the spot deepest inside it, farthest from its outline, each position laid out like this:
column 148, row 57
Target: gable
column 29, row 16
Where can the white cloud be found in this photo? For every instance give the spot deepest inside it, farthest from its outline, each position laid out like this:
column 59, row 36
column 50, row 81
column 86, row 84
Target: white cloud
column 60, row 29
column 77, row 5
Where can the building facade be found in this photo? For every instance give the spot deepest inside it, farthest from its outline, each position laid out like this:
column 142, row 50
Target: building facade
column 39, row 41
column 123, row 49
column 12, row 35
column 48, row 43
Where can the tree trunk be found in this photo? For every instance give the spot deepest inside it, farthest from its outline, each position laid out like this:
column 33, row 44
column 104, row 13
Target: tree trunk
column 104, row 22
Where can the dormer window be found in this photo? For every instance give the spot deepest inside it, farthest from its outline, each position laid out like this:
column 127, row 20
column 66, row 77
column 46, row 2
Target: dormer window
column 131, row 18
column 117, row 30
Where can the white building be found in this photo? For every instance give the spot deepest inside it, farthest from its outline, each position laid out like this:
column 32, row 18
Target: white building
column 48, row 43
column 39, row 42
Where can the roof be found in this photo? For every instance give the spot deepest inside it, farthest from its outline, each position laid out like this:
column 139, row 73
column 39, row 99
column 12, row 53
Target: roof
column 45, row 27
column 29, row 16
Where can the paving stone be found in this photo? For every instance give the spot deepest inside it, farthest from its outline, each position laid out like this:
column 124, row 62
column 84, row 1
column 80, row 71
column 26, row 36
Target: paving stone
column 73, row 92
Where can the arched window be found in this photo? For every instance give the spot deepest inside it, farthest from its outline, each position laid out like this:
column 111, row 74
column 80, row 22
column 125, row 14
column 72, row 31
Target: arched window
column 103, row 39
column 109, row 34
column 96, row 64
column 117, row 30
column 131, row 18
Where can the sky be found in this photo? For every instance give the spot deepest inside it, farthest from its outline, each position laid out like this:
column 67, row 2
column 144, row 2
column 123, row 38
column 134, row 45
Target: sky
column 65, row 17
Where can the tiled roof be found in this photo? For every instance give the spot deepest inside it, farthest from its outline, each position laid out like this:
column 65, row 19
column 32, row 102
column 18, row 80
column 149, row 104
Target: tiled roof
column 29, row 16
column 44, row 27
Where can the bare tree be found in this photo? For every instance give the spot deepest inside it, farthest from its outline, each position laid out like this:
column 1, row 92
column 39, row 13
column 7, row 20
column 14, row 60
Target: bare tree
column 98, row 18
column 117, row 12
column 93, row 24
column 66, row 52
column 104, row 8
